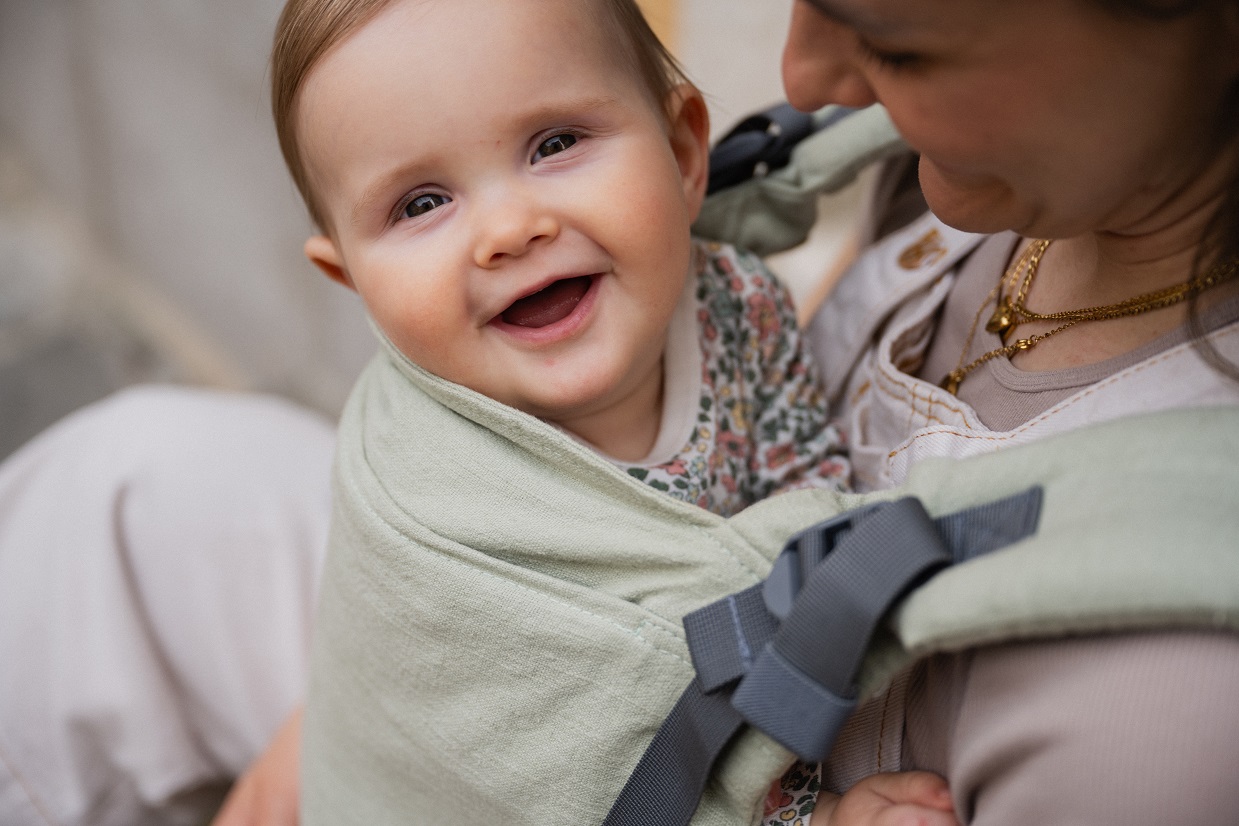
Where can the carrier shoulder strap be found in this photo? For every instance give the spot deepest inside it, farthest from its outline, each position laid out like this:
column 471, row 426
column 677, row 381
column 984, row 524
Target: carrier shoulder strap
column 767, row 174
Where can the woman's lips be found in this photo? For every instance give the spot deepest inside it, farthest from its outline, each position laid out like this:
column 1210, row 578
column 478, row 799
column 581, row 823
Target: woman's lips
column 548, row 305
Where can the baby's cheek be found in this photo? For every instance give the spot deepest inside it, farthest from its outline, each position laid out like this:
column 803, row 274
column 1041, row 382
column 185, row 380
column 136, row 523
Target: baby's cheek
column 426, row 337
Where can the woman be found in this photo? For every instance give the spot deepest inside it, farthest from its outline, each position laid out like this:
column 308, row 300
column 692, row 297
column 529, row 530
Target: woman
column 1109, row 127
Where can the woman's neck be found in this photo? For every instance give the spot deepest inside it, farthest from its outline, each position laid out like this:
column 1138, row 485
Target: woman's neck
column 1146, row 252
column 1099, row 268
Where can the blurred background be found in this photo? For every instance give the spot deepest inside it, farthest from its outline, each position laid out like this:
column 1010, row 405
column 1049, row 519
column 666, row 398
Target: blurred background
column 149, row 231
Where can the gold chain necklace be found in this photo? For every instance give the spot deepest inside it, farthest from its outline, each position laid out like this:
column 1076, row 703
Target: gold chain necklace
column 1011, row 312
column 1006, row 315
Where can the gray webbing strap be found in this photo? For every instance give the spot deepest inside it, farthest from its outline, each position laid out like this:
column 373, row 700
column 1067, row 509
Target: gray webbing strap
column 802, row 687
column 795, row 679
column 667, row 783
column 726, row 636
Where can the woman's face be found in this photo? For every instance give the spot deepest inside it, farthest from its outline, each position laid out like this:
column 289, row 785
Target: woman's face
column 1050, row 117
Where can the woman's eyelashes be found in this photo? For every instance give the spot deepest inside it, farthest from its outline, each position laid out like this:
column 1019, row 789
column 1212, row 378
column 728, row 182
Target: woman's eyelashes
column 554, row 145
column 422, row 204
column 888, row 59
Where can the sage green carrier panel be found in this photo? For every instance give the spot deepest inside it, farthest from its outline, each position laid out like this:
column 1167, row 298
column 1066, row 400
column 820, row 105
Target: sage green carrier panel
column 499, row 631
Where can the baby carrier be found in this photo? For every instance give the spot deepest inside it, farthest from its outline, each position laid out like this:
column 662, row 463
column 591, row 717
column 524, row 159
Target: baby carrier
column 524, row 664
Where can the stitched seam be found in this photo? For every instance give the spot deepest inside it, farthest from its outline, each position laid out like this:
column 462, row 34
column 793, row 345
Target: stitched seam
column 886, row 706
column 1181, row 351
column 706, row 533
column 645, row 625
column 746, row 653
column 926, row 400
column 897, row 385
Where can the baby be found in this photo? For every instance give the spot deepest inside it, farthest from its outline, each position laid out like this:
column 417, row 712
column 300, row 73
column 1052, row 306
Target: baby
column 516, row 221
column 509, row 186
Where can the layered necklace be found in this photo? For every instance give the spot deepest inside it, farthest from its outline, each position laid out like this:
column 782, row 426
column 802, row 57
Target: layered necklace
column 1010, row 311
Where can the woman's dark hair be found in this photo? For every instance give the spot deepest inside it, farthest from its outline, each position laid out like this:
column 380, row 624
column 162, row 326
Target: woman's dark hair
column 1221, row 238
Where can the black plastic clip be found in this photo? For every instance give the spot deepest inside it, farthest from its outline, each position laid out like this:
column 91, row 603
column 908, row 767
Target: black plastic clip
column 759, row 144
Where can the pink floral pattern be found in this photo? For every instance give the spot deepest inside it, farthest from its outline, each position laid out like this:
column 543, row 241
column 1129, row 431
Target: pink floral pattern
column 762, row 422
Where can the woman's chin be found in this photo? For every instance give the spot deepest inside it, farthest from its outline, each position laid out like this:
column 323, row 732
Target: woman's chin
column 970, row 202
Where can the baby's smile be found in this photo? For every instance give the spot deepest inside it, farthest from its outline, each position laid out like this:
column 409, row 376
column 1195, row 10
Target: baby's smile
column 548, row 305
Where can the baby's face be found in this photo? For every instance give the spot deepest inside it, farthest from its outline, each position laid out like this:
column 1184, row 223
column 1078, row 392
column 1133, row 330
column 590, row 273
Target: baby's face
column 511, row 206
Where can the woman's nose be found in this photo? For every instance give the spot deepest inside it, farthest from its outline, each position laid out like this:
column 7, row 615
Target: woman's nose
column 510, row 224
column 821, row 63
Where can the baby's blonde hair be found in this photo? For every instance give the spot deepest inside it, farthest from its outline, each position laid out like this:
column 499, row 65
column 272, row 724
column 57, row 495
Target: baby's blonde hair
column 308, row 29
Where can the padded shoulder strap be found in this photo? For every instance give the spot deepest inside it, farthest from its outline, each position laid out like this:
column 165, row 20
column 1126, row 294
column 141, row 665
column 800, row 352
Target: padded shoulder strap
column 788, row 165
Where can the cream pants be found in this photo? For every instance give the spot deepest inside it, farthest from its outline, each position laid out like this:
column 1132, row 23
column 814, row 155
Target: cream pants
column 159, row 554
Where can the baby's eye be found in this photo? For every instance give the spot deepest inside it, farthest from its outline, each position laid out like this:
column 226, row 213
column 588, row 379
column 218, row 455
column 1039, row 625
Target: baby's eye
column 424, row 203
column 554, row 145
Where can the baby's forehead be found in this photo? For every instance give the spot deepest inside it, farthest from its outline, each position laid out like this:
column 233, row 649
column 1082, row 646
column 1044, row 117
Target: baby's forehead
column 417, row 63
column 611, row 25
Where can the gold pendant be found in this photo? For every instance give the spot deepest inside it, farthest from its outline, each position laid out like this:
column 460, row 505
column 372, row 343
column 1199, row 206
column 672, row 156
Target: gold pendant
column 951, row 382
column 1003, row 319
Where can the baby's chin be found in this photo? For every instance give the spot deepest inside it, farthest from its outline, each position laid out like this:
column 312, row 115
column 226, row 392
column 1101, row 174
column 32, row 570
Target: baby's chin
column 560, row 402
column 579, row 402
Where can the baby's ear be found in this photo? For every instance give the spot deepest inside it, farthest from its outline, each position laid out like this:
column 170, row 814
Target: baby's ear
column 690, row 141
column 324, row 254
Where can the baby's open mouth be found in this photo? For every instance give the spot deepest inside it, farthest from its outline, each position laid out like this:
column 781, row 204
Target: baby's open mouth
column 548, row 305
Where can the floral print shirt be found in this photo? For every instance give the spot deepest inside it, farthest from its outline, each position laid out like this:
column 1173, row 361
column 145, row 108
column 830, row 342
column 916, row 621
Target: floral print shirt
column 761, row 425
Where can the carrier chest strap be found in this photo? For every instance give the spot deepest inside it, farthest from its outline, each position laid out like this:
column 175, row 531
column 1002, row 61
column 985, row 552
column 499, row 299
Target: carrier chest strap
column 784, row 655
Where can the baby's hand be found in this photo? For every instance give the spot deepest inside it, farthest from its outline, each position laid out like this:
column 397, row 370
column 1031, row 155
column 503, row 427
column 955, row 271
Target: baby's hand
column 902, row 799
